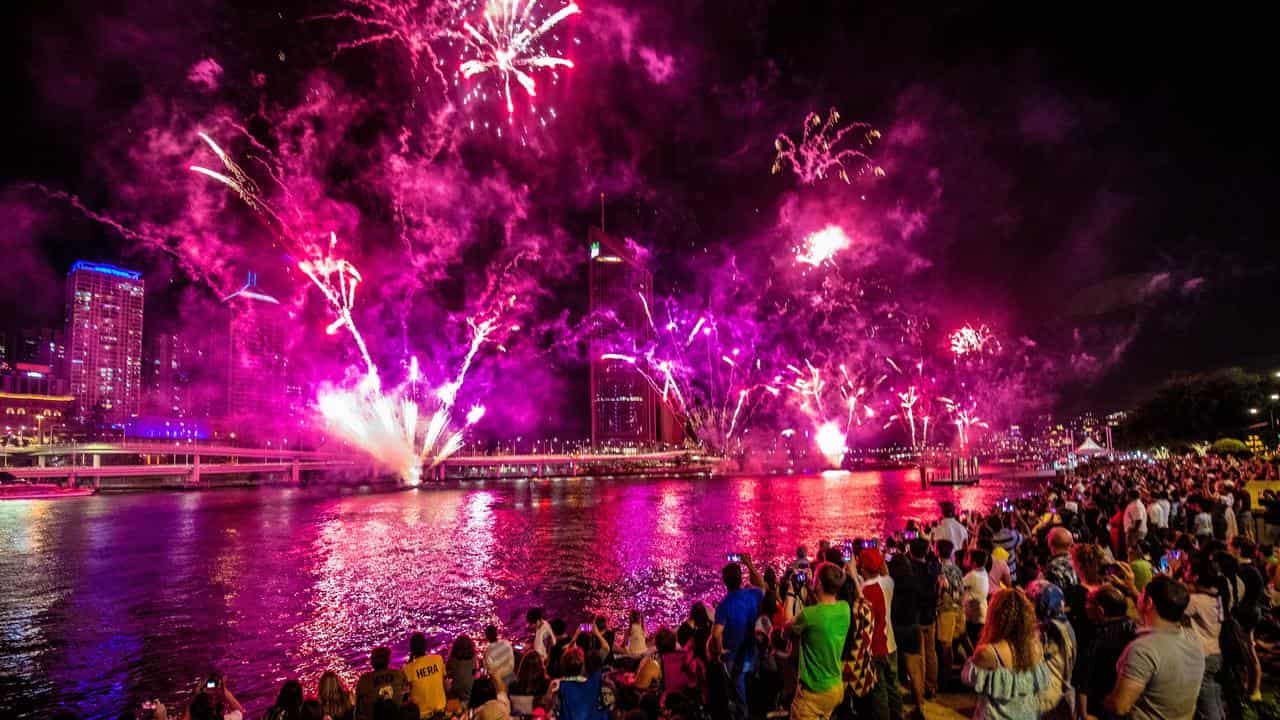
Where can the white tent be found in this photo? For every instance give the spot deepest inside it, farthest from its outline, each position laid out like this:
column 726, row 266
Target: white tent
column 1089, row 448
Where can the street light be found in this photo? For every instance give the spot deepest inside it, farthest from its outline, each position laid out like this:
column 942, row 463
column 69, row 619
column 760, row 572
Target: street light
column 1275, row 396
column 1253, row 411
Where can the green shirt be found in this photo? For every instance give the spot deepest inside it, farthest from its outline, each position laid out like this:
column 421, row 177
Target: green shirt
column 822, row 629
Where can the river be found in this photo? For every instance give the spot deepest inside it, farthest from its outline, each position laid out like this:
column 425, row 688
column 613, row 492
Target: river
column 109, row 600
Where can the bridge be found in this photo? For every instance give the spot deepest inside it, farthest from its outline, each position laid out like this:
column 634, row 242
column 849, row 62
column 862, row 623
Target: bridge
column 189, row 464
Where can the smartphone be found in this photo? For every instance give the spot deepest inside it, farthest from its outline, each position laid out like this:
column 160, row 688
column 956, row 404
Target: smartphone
column 908, row 534
column 734, row 557
column 584, row 628
column 1164, row 565
column 518, row 647
column 1174, row 555
column 211, row 684
column 870, row 544
column 847, row 552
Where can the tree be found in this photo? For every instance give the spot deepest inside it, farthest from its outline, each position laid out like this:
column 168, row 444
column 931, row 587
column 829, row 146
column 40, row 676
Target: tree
column 1229, row 447
column 1191, row 408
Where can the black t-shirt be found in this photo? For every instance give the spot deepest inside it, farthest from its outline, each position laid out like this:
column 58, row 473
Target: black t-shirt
column 906, row 592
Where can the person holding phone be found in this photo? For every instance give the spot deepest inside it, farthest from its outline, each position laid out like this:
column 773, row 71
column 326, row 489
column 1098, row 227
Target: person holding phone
column 214, row 701
column 733, row 637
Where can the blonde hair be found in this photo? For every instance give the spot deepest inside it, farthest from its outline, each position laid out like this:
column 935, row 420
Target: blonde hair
column 1011, row 618
column 1088, row 561
column 335, row 698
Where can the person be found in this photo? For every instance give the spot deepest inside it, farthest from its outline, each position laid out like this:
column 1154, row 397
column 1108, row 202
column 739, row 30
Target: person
column 1135, row 521
column 489, row 698
column 1160, row 671
column 288, row 704
column 950, row 602
column 560, row 639
column 1007, row 538
column 499, row 655
column 543, row 637
column 977, row 588
column 733, row 635
column 877, row 588
column 531, row 685
column 1007, row 670
column 637, row 645
column 1107, row 611
column 335, row 699
column 214, row 701
column 669, row 669
column 858, row 671
column 1158, row 512
column 1058, row 700
column 1204, row 615
column 904, row 613
column 577, row 694
column 821, row 629
column 425, row 675
column 928, row 569
column 1059, row 570
column 311, row 709
column 1248, row 611
column 801, row 563
column 949, row 528
column 381, row 683
column 460, row 668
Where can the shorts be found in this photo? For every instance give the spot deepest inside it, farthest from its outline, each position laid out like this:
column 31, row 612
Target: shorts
column 950, row 623
column 809, row 705
column 908, row 637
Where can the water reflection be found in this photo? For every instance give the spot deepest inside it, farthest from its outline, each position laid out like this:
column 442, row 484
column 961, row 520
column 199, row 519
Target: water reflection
column 110, row 600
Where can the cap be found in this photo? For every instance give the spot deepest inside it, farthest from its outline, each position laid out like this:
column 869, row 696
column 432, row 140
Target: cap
column 871, row 559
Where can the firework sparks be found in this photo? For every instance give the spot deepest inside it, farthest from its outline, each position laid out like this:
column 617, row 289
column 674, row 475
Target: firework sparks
column 818, row 155
column 822, row 246
column 509, row 44
column 965, row 419
column 831, row 442
column 384, row 423
column 970, row 340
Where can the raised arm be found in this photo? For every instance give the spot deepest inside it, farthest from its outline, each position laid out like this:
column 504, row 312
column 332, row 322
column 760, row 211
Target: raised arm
column 754, row 577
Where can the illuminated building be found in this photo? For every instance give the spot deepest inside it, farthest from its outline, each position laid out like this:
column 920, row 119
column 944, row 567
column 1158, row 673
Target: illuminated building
column 33, row 403
column 104, row 341
column 623, row 405
column 43, row 346
column 254, row 357
column 169, row 367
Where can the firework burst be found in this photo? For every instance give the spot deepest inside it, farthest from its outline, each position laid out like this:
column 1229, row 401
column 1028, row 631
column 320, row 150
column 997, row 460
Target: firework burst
column 818, row 154
column 509, row 43
column 971, row 341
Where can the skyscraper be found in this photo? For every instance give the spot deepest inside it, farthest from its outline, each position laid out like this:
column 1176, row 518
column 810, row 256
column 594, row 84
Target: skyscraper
column 104, row 341
column 255, row 361
column 623, row 405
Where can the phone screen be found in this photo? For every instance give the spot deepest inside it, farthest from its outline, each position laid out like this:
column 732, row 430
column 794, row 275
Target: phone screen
column 584, row 628
column 734, row 557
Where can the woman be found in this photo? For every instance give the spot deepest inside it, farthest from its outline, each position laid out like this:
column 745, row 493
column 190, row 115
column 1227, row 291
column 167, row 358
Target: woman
column 531, row 684
column 857, row 671
column 460, row 669
column 1007, row 669
column 1057, row 638
column 577, row 694
column 288, row 703
column 1205, row 615
column 637, row 645
column 489, row 699
column 667, row 671
column 335, row 699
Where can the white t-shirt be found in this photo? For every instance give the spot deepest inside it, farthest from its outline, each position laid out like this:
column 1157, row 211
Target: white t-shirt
column 977, row 586
column 1135, row 519
column 886, row 586
column 950, row 529
column 1158, row 514
column 543, row 639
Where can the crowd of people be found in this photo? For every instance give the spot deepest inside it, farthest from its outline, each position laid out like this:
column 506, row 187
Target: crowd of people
column 1136, row 589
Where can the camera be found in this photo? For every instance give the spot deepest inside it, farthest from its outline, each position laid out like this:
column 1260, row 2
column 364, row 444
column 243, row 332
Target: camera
column 800, row 578
column 584, row 628
column 734, row 557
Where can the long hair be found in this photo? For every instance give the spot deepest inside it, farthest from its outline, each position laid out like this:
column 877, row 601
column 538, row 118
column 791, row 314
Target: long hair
column 335, row 698
column 1088, row 560
column 463, row 648
column 1012, row 619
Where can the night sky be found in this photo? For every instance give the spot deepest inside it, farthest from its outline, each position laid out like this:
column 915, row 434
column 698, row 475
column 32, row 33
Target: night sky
column 1092, row 178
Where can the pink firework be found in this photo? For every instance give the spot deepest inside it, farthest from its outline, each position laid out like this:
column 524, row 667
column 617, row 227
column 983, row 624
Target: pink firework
column 822, row 246
column 818, row 154
column 509, row 43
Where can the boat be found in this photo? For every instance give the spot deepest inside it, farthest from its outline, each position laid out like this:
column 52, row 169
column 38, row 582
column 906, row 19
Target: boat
column 11, row 490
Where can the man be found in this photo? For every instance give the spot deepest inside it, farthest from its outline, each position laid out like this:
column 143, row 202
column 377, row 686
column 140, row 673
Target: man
column 821, row 630
column 950, row 609
column 877, row 588
column 499, row 656
column 1159, row 673
column 1248, row 611
column 949, row 528
column 381, row 683
column 1059, row 570
column 543, row 637
column 425, row 675
column 928, row 569
column 1108, row 610
column 904, row 612
column 977, row 589
column 1135, row 520
column 1158, row 512
column 733, row 635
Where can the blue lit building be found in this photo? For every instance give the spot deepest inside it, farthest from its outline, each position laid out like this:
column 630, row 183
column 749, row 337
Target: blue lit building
column 104, row 341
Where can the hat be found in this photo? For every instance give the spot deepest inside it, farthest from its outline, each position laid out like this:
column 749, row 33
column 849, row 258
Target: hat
column 1000, row 554
column 871, row 559
column 1048, row 599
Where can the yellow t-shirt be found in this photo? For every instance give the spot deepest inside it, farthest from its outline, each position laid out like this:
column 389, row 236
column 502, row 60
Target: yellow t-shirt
column 426, row 683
